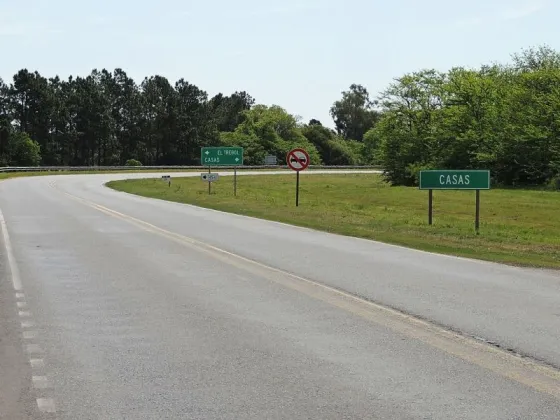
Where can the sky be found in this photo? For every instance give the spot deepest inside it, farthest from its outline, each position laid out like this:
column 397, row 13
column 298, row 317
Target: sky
column 299, row 54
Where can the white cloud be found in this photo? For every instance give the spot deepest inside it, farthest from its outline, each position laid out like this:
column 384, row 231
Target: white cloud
column 294, row 9
column 473, row 21
column 27, row 29
column 520, row 11
column 523, row 10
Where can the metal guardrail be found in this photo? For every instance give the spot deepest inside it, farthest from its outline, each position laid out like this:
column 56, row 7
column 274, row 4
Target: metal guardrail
column 159, row 168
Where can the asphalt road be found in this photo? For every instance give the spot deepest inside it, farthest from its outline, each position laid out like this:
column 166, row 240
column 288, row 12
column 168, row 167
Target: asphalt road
column 114, row 306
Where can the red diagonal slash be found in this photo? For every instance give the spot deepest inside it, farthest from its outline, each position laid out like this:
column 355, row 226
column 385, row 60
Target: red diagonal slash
column 298, row 159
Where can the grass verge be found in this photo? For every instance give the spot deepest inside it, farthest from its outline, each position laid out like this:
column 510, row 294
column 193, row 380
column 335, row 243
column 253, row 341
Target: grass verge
column 519, row 227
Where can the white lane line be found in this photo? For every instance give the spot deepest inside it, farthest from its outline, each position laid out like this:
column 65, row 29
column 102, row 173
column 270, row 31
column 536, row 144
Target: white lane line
column 40, row 382
column 37, row 363
column 34, row 349
column 29, row 335
column 9, row 252
column 46, row 405
column 27, row 324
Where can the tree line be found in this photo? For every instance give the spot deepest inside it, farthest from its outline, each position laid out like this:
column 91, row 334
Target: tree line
column 106, row 118
column 505, row 118
column 502, row 117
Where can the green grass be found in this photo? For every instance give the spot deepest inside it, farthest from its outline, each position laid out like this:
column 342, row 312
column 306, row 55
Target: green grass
column 519, row 227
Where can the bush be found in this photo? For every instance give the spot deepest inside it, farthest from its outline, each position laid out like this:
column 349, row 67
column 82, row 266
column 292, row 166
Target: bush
column 133, row 162
column 22, row 150
column 554, row 183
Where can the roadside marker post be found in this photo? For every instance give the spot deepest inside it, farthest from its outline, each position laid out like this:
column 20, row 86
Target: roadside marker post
column 455, row 180
column 222, row 156
column 297, row 160
column 212, row 177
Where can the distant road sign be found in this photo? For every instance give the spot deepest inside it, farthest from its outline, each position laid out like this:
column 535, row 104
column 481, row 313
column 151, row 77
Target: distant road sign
column 209, row 177
column 166, row 178
column 455, row 180
column 297, row 159
column 221, row 156
column 270, row 160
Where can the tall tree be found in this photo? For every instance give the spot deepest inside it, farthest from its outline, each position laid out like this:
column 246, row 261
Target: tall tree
column 269, row 130
column 32, row 107
column 196, row 126
column 354, row 115
column 229, row 110
column 5, row 122
column 159, row 118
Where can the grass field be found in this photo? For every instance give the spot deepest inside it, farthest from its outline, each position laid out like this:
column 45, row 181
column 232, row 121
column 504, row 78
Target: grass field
column 520, row 227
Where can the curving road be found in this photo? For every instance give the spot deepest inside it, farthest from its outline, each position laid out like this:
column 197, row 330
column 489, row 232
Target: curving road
column 114, row 306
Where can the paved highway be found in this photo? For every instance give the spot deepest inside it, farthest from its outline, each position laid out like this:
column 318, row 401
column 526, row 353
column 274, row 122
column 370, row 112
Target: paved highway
column 114, row 306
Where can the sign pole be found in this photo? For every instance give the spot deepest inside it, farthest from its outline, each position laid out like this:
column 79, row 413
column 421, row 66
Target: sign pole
column 297, row 188
column 235, row 181
column 209, row 183
column 297, row 160
column 430, row 206
column 477, row 218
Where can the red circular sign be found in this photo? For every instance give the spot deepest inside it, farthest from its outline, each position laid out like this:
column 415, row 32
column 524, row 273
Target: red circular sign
column 297, row 159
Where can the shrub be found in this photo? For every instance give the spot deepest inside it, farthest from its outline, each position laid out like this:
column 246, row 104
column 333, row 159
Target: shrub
column 133, row 162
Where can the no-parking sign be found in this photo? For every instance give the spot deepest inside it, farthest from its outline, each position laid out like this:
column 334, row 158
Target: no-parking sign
column 297, row 159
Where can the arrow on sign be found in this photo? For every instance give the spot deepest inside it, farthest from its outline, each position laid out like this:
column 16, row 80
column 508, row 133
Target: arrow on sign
column 207, row 153
column 237, row 159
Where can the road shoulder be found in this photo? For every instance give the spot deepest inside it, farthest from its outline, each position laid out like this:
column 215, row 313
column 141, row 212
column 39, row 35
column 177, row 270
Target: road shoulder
column 16, row 399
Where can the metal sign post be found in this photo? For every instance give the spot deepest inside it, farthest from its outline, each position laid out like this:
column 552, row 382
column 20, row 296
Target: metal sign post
column 297, row 160
column 430, row 206
column 455, row 180
column 222, row 156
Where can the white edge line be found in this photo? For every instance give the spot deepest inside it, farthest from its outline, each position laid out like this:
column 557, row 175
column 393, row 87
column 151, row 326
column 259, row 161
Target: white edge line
column 14, row 271
column 46, row 405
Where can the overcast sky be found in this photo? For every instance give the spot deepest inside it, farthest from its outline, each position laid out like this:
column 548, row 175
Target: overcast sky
column 299, row 54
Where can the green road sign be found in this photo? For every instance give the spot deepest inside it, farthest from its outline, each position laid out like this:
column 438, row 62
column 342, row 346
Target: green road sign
column 221, row 156
column 455, row 180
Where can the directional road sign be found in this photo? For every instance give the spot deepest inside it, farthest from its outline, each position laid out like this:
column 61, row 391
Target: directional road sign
column 221, row 156
column 297, row 159
column 455, row 180
column 209, row 177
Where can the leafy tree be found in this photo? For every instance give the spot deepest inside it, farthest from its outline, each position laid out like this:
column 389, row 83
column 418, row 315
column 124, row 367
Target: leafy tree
column 332, row 149
column 542, row 57
column 5, row 121
column 23, row 151
column 502, row 118
column 269, row 130
column 32, row 104
column 354, row 115
column 133, row 162
column 229, row 110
